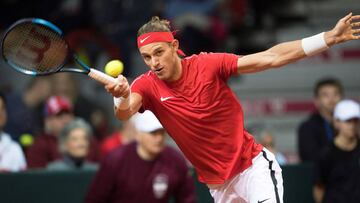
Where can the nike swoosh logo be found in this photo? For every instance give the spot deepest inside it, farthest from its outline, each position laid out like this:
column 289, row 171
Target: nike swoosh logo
column 165, row 98
column 143, row 40
column 263, row 200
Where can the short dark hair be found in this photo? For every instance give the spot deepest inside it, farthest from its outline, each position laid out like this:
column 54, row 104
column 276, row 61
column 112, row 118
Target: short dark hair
column 328, row 82
column 155, row 25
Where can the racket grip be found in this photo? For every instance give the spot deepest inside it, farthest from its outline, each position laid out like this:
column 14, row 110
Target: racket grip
column 101, row 77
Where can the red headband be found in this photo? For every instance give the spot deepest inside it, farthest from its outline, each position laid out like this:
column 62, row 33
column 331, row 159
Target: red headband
column 151, row 37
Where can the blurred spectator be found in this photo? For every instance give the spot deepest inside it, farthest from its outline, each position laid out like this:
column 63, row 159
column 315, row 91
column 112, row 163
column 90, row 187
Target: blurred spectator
column 124, row 134
column 337, row 174
column 25, row 110
column 71, row 14
column 91, row 46
column 58, row 113
column 317, row 131
column 74, row 144
column 120, row 20
column 160, row 170
column 11, row 156
column 234, row 12
column 195, row 20
column 268, row 141
column 261, row 11
column 65, row 85
column 176, row 8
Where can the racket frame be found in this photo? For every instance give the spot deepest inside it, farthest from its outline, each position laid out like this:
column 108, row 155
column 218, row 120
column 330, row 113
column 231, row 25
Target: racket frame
column 95, row 74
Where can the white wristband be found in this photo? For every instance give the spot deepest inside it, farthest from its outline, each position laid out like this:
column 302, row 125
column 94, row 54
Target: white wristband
column 122, row 103
column 314, row 44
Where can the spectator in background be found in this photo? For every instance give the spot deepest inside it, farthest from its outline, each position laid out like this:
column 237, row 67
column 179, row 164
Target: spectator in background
column 196, row 21
column 58, row 113
column 65, row 85
column 268, row 141
column 317, row 131
column 337, row 174
column 74, row 144
column 124, row 134
column 143, row 171
column 119, row 21
column 25, row 109
column 11, row 156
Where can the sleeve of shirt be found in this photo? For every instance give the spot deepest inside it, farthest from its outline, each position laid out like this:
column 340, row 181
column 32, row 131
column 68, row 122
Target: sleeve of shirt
column 139, row 86
column 225, row 63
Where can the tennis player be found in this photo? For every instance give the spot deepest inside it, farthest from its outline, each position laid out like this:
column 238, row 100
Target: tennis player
column 190, row 97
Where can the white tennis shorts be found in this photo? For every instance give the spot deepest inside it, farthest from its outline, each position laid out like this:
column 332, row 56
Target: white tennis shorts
column 260, row 183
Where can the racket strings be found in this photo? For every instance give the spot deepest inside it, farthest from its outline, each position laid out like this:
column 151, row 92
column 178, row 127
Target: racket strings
column 33, row 47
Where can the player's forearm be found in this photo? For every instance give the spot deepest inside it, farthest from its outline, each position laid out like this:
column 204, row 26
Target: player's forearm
column 276, row 56
column 123, row 114
column 346, row 29
column 285, row 53
column 293, row 51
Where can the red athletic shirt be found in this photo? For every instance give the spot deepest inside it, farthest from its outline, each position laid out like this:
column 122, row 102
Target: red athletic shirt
column 202, row 115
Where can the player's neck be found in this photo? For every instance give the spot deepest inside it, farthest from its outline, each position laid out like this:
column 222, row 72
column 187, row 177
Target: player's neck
column 178, row 71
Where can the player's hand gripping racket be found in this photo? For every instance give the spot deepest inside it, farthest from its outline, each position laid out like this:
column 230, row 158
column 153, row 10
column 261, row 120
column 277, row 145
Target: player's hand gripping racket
column 35, row 47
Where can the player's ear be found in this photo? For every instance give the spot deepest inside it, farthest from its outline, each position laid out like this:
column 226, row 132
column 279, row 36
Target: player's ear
column 175, row 44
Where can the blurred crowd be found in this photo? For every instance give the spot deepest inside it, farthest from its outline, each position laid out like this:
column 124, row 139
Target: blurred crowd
column 109, row 27
column 39, row 108
column 50, row 124
column 41, row 118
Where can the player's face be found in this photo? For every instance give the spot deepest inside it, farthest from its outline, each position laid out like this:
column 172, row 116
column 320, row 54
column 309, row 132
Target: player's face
column 328, row 97
column 152, row 143
column 3, row 115
column 162, row 59
column 77, row 143
column 349, row 128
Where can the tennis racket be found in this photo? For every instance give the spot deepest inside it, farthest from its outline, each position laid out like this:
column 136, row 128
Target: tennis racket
column 34, row 46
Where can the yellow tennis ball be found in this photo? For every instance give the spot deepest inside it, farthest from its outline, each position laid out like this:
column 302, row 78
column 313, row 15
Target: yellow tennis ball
column 26, row 140
column 114, row 68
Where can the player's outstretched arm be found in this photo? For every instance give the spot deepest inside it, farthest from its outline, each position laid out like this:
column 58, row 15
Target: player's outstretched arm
column 347, row 28
column 126, row 103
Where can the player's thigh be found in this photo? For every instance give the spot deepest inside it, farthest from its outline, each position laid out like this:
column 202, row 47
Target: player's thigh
column 264, row 181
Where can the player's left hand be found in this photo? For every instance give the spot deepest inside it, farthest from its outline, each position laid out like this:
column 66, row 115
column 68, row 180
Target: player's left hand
column 347, row 28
